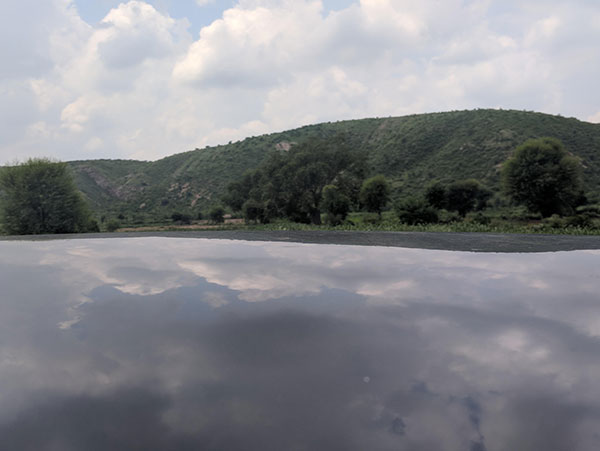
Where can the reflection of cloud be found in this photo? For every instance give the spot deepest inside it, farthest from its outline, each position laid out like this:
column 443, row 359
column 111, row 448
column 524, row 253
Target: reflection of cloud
column 350, row 348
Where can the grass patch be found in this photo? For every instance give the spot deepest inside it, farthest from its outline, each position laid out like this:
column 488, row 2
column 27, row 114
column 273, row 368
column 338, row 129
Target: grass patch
column 357, row 223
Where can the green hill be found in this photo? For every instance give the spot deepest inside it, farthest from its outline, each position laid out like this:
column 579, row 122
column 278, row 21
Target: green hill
column 411, row 151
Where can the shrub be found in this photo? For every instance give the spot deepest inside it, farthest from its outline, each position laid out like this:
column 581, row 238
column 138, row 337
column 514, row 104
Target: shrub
column 467, row 195
column 181, row 218
column 435, row 194
column 216, row 214
column 336, row 205
column 555, row 222
column 582, row 220
column 253, row 211
column 93, row 226
column 375, row 194
column 414, row 211
column 593, row 211
column 371, row 218
column 478, row 218
column 113, row 225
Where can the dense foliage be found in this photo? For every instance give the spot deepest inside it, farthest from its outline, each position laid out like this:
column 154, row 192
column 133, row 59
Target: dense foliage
column 466, row 195
column 217, row 214
column 413, row 211
column 39, row 196
column 336, row 204
column 291, row 183
column 544, row 177
column 409, row 151
column 435, row 194
column 375, row 194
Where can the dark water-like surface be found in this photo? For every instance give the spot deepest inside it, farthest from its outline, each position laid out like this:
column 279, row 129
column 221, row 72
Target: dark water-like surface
column 176, row 344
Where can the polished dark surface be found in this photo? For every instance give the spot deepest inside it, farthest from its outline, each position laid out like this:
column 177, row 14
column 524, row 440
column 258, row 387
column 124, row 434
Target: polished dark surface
column 158, row 343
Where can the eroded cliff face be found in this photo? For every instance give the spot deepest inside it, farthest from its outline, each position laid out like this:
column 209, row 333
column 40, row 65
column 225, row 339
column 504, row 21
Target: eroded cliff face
column 124, row 191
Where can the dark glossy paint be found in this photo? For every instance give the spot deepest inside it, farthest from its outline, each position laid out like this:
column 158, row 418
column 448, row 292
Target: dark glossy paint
column 176, row 344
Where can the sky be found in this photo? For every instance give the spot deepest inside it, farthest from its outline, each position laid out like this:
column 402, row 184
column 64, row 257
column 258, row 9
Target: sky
column 88, row 79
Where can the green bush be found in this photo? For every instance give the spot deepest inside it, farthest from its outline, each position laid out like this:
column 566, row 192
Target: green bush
column 435, row 194
column 181, row 218
column 254, row 211
column 371, row 218
column 448, row 217
column 593, row 211
column 520, row 213
column 113, row 225
column 375, row 194
column 554, row 222
column 93, row 226
column 414, row 211
column 336, row 205
column 478, row 218
column 217, row 214
column 583, row 220
column 464, row 196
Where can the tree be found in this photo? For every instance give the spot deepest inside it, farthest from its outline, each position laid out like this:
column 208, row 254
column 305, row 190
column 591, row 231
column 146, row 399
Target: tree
column 113, row 225
column 253, row 211
column 415, row 211
column 181, row 218
column 291, row 183
column 40, row 196
column 216, row 214
column 466, row 195
column 435, row 194
column 239, row 191
column 375, row 194
column 335, row 203
column 542, row 176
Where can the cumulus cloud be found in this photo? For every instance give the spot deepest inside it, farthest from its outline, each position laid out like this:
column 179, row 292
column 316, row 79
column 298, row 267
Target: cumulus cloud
column 135, row 32
column 138, row 85
column 595, row 118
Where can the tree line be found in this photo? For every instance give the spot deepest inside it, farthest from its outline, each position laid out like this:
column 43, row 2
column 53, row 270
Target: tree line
column 318, row 176
column 329, row 177
column 316, row 180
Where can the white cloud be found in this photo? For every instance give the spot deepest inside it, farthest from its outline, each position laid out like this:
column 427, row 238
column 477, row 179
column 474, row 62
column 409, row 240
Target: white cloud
column 134, row 32
column 253, row 47
column 137, row 84
column 595, row 118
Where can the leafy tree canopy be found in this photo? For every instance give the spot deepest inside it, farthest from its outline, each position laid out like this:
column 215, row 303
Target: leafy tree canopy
column 39, row 196
column 542, row 176
column 375, row 194
column 217, row 214
column 435, row 194
column 466, row 195
column 413, row 211
column 290, row 184
column 336, row 204
column 254, row 211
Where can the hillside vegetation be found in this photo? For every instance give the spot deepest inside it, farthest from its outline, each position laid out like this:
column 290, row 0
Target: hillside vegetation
column 410, row 151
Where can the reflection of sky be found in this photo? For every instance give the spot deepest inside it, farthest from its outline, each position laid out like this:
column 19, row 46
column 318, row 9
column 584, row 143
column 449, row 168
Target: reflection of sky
column 159, row 343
